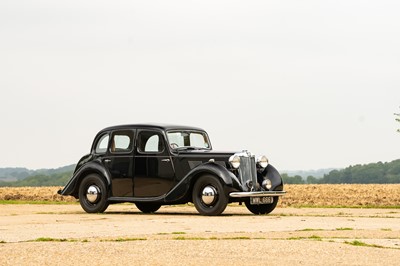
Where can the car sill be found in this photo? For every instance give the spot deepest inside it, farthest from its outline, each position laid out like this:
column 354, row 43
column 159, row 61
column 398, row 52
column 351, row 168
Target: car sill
column 257, row 194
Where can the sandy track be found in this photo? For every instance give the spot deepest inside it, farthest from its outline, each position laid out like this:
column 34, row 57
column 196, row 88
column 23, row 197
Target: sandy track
column 179, row 236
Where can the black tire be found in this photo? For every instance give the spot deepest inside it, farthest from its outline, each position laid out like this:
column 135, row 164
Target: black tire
column 99, row 204
column 262, row 208
column 147, row 207
column 218, row 204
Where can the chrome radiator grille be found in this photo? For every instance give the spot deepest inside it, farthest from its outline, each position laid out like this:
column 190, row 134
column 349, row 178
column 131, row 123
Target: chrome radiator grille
column 248, row 170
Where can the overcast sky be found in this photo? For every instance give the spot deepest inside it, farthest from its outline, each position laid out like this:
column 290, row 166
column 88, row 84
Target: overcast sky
column 310, row 84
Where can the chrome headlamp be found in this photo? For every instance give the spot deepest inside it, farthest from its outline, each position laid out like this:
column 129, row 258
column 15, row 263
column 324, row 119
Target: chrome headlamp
column 234, row 160
column 262, row 161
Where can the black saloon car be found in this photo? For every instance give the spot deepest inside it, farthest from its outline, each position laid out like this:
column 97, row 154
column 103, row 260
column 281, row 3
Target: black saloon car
column 155, row 165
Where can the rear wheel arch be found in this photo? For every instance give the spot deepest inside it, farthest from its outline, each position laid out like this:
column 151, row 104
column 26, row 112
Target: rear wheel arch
column 91, row 171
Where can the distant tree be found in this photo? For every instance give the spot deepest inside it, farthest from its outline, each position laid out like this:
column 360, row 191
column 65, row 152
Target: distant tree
column 292, row 179
column 397, row 119
column 312, row 180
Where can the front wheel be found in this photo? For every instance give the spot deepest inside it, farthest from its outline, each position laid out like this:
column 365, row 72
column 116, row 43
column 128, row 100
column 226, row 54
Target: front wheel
column 209, row 197
column 93, row 194
column 147, row 207
column 261, row 208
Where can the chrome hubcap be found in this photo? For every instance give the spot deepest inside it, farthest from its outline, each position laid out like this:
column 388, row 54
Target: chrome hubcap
column 93, row 193
column 208, row 195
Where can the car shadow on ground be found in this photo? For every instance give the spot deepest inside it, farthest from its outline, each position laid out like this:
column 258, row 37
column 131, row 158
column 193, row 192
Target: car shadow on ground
column 171, row 213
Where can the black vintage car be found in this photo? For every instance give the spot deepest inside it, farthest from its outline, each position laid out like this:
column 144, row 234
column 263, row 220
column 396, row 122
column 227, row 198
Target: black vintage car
column 154, row 165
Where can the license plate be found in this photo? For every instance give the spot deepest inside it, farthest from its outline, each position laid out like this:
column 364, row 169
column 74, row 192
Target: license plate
column 261, row 200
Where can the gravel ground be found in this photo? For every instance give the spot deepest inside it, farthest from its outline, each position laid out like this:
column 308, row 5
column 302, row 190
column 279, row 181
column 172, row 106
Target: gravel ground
column 64, row 234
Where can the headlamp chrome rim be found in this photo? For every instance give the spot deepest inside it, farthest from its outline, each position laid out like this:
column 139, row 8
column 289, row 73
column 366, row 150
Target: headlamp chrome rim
column 234, row 160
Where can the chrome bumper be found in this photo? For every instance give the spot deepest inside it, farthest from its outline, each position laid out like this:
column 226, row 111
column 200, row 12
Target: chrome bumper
column 257, row 194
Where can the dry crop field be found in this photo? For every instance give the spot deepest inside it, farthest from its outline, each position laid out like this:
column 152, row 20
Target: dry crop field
column 340, row 195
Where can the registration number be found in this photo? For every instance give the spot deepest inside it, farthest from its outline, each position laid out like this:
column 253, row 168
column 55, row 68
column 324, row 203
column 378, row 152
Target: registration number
column 261, row 200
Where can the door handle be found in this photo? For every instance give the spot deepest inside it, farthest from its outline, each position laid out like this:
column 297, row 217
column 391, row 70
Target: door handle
column 107, row 160
column 165, row 160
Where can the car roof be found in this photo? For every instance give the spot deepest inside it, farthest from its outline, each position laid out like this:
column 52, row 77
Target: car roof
column 164, row 127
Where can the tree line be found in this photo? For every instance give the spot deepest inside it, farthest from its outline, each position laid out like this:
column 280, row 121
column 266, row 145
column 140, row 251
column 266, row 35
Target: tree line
column 373, row 173
column 40, row 180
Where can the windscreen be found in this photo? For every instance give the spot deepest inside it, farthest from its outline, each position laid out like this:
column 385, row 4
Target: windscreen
column 188, row 139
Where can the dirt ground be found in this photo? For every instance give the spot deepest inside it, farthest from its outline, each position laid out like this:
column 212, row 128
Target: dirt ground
column 177, row 235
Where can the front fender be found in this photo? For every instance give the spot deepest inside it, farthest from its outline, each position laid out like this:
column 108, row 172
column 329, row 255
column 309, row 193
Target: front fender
column 182, row 189
column 272, row 174
column 72, row 187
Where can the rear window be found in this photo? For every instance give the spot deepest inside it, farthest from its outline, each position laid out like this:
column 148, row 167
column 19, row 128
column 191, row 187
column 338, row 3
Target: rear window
column 102, row 144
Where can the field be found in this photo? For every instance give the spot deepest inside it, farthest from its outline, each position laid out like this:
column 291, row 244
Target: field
column 377, row 196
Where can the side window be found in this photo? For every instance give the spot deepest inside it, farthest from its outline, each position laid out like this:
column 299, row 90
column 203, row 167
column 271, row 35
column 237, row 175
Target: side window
column 102, row 144
column 122, row 141
column 150, row 142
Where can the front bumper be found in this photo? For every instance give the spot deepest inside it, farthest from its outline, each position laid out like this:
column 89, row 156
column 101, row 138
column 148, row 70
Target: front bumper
column 257, row 194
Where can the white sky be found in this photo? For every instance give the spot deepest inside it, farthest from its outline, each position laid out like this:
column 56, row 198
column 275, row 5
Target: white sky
column 310, row 84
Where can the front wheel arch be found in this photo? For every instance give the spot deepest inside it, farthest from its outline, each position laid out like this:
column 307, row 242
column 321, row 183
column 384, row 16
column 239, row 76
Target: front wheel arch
column 209, row 196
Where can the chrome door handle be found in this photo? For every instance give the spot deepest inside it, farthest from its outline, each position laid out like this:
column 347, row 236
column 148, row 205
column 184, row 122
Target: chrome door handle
column 165, row 160
column 107, row 160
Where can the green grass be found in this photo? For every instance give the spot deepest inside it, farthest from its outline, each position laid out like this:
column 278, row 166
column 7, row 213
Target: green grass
column 386, row 229
column 344, row 206
column 313, row 237
column 213, row 238
column 344, row 229
column 236, row 238
column 129, row 239
column 49, row 239
column 191, row 238
column 310, row 230
column 173, row 233
column 362, row 244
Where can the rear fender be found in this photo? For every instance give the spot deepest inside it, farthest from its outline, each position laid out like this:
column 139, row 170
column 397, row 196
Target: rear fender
column 72, row 187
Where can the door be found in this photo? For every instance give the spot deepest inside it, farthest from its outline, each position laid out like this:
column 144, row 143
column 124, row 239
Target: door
column 119, row 163
column 154, row 174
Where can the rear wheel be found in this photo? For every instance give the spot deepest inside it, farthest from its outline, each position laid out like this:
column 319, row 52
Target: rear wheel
column 147, row 207
column 209, row 197
column 261, row 208
column 93, row 194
